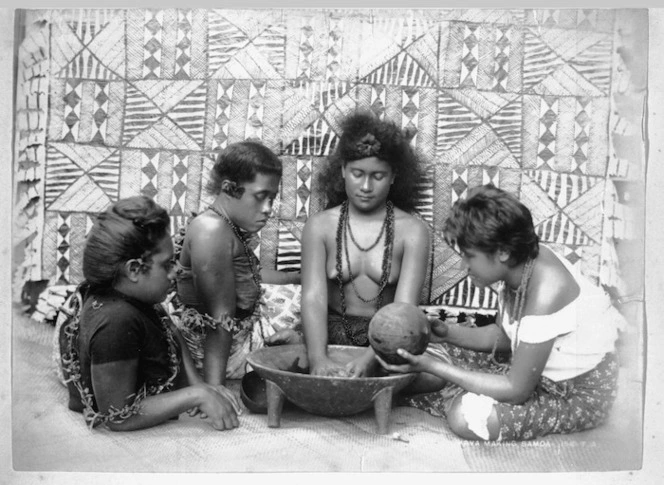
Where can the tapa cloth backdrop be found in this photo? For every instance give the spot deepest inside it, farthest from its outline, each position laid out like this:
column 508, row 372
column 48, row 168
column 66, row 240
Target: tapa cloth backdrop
column 545, row 104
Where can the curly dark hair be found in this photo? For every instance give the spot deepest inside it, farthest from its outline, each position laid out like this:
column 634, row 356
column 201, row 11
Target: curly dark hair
column 130, row 228
column 240, row 162
column 363, row 136
column 490, row 219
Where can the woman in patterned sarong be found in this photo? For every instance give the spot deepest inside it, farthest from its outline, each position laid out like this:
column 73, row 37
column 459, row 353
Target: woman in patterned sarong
column 559, row 328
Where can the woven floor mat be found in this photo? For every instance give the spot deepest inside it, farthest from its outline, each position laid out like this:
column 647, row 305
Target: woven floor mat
column 49, row 437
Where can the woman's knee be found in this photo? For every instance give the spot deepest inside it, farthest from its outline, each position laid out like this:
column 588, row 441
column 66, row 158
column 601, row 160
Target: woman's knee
column 474, row 417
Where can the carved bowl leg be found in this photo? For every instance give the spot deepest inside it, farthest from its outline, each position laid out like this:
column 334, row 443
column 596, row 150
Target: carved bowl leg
column 275, row 404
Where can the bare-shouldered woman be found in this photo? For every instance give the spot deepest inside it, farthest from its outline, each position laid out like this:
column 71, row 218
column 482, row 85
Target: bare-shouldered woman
column 367, row 249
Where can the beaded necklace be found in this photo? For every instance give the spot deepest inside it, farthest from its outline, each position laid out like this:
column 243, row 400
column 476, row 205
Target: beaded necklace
column 254, row 263
column 71, row 365
column 516, row 308
column 389, row 208
column 342, row 241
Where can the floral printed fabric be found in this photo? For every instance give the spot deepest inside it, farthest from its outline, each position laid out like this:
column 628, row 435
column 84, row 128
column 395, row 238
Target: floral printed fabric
column 277, row 309
column 567, row 406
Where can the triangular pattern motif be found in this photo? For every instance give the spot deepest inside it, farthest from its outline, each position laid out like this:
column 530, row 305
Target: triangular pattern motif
column 318, row 139
column 507, row 125
column 72, row 111
column 152, row 44
column 304, row 172
column 179, row 183
column 63, row 249
column 466, row 295
column 222, row 113
column 305, row 115
column 425, row 191
column 455, row 121
column 165, row 112
column 140, row 101
column 224, row 41
column 238, row 55
column 90, row 45
column 255, row 121
column 183, row 42
column 68, row 164
column 594, row 64
column 289, row 248
column 149, row 173
column 582, row 121
column 562, row 188
column 539, row 60
column 470, row 56
column 502, row 57
column 547, row 132
column 560, row 229
column 565, row 81
column 403, row 70
column 100, row 114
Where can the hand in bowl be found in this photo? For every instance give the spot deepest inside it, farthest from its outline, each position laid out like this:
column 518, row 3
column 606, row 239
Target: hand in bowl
column 328, row 368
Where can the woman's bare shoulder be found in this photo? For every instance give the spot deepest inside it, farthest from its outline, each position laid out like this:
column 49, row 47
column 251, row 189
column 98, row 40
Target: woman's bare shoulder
column 407, row 222
column 324, row 220
column 206, row 227
column 552, row 286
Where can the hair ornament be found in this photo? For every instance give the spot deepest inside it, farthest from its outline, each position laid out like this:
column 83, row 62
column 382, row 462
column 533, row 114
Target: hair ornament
column 368, row 146
column 231, row 188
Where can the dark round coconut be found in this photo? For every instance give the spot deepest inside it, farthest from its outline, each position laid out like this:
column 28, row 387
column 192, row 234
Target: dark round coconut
column 398, row 326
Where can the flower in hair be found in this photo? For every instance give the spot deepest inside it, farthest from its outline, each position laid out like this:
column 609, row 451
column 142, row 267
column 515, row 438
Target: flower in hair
column 368, row 146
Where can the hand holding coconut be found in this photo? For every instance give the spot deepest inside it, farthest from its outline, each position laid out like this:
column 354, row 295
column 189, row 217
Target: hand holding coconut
column 395, row 326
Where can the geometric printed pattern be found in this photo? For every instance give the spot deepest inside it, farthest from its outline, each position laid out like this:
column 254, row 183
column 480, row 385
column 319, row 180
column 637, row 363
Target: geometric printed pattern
column 138, row 101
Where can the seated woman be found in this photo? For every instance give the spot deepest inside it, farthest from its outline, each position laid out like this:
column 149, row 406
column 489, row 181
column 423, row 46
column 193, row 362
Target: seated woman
column 559, row 327
column 366, row 249
column 125, row 362
column 218, row 276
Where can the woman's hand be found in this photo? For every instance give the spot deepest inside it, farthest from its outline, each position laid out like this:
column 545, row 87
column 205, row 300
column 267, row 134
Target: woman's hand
column 228, row 394
column 362, row 366
column 328, row 368
column 218, row 405
column 285, row 336
column 415, row 363
column 438, row 327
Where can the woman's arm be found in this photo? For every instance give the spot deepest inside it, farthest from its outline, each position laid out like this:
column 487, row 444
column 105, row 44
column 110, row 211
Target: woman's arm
column 187, row 362
column 114, row 382
column 514, row 387
column 314, row 289
column 414, row 262
column 274, row 277
column 483, row 339
column 211, row 247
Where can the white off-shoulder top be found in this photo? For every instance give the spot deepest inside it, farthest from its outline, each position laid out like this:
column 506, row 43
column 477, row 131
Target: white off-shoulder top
column 584, row 331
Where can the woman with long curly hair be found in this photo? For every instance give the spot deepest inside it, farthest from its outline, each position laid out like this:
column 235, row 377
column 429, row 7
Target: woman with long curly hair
column 367, row 249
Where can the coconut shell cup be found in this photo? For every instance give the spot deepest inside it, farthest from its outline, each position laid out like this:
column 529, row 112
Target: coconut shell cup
column 253, row 393
column 398, row 326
